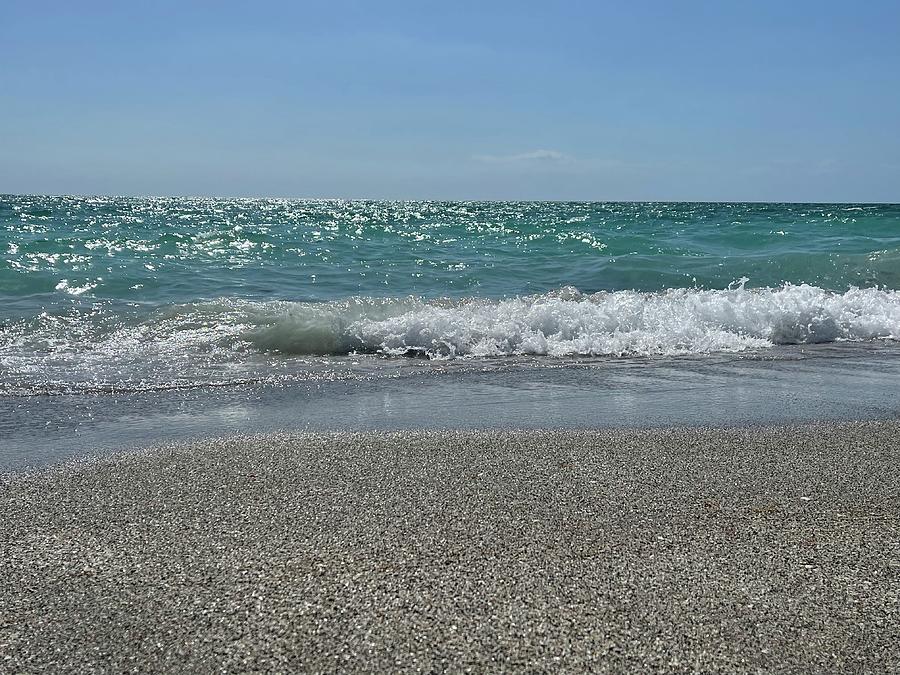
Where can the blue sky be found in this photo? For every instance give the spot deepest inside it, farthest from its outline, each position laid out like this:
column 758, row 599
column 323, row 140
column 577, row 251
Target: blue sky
column 793, row 101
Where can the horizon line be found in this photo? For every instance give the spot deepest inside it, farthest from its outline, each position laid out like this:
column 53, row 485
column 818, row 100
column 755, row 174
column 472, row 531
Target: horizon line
column 441, row 199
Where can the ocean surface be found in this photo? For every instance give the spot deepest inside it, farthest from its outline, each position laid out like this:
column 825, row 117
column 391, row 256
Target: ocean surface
column 113, row 296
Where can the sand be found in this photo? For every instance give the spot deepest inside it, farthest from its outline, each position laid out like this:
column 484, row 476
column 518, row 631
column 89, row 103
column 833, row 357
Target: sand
column 759, row 550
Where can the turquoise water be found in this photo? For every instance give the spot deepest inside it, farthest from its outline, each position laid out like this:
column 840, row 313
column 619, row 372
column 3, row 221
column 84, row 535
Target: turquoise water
column 55, row 249
column 107, row 293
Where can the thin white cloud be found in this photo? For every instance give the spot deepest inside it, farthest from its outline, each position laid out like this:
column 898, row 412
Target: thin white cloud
column 533, row 157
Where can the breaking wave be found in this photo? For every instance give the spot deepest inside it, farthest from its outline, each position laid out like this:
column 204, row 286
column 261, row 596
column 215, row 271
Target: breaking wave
column 567, row 323
column 233, row 341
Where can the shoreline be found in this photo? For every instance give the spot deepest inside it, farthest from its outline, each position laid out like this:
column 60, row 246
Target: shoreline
column 740, row 549
column 719, row 391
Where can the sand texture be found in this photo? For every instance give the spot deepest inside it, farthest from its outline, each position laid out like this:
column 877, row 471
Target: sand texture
column 758, row 550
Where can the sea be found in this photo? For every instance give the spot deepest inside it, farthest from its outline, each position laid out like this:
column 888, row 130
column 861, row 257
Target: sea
column 132, row 321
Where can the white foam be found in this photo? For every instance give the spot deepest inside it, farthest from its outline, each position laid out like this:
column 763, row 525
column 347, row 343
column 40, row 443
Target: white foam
column 563, row 323
column 231, row 340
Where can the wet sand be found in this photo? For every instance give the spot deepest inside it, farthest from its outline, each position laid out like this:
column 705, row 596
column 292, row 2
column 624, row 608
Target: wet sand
column 758, row 549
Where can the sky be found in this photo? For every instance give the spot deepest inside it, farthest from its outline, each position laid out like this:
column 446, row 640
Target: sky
column 719, row 101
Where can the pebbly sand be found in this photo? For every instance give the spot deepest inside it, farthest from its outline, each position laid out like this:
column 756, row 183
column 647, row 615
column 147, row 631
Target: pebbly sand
column 758, row 549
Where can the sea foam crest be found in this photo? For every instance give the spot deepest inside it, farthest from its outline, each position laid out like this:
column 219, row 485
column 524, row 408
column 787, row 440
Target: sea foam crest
column 566, row 322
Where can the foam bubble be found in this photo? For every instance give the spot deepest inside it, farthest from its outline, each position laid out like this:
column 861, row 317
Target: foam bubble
column 234, row 340
column 565, row 323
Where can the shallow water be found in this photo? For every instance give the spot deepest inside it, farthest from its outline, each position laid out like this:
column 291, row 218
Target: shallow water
column 822, row 382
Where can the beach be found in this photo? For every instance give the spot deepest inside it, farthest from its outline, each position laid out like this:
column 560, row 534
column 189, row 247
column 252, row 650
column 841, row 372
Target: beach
column 754, row 549
column 437, row 338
